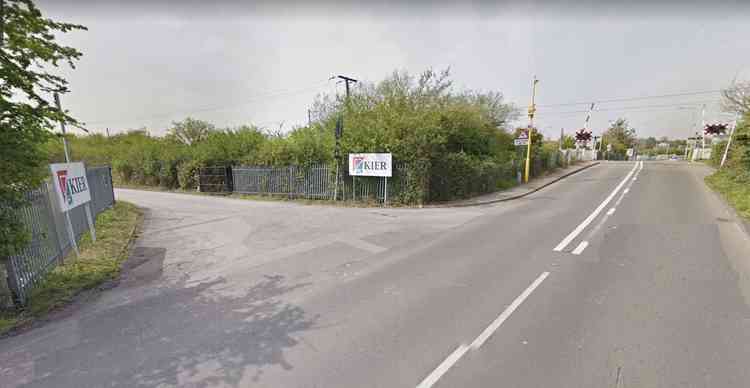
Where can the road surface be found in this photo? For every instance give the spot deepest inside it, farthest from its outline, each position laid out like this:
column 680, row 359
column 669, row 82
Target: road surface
column 624, row 275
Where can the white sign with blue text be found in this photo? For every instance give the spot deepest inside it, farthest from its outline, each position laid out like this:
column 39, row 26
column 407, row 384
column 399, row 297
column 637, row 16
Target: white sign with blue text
column 370, row 165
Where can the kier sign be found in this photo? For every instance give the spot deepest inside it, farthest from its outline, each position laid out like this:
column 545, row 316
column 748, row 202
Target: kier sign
column 70, row 184
column 370, row 165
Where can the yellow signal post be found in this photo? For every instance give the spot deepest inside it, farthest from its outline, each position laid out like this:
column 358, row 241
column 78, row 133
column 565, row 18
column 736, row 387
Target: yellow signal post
column 532, row 110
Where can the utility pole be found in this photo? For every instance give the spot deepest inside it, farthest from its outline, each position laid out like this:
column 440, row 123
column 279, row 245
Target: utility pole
column 62, row 128
column 532, row 110
column 703, row 130
column 107, row 130
column 586, row 124
column 596, row 147
column 67, row 160
column 588, row 117
column 309, row 118
column 729, row 142
column 347, row 80
column 339, row 133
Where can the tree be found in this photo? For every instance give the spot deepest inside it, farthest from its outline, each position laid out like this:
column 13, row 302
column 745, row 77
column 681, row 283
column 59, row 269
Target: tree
column 190, row 131
column 28, row 47
column 651, row 142
column 736, row 98
column 569, row 142
column 620, row 136
column 619, row 132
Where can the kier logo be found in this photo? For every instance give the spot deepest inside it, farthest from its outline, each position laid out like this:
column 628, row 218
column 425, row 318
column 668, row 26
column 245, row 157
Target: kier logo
column 70, row 186
column 62, row 179
column 359, row 165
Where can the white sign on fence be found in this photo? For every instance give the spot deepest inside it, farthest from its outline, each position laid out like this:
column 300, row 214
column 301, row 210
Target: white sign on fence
column 521, row 142
column 71, row 186
column 370, row 165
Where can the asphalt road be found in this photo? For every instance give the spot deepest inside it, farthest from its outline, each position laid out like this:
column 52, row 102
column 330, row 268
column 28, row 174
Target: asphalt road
column 553, row 290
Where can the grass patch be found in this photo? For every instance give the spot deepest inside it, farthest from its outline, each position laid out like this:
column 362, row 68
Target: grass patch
column 736, row 192
column 97, row 263
column 7, row 322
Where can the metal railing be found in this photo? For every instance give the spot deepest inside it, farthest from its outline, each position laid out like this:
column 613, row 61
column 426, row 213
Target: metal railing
column 315, row 182
column 49, row 241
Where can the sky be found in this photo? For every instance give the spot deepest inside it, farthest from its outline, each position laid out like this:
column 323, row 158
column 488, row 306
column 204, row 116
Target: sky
column 147, row 64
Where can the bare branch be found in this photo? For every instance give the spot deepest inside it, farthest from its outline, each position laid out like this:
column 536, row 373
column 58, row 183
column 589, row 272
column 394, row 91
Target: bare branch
column 736, row 98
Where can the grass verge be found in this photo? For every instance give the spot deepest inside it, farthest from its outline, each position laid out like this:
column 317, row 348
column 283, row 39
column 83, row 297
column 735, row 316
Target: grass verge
column 97, row 263
column 735, row 192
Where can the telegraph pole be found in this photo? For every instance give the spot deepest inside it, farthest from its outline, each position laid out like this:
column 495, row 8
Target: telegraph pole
column 309, row 118
column 339, row 133
column 532, row 110
column 347, row 80
column 729, row 142
column 62, row 127
column 703, row 129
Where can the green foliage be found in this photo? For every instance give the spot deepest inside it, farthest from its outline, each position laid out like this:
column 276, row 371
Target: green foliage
column 735, row 189
column 733, row 180
column 97, row 263
column 569, row 142
column 459, row 175
column 28, row 48
column 620, row 136
column 190, row 131
column 717, row 152
column 454, row 143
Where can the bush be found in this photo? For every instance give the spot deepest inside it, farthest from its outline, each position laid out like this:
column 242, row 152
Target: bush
column 187, row 174
column 453, row 143
column 459, row 175
column 717, row 152
column 123, row 170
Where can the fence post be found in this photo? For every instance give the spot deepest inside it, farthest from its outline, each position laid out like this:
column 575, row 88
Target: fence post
column 111, row 184
column 16, row 295
column 228, row 179
column 7, row 300
column 385, row 191
column 291, row 182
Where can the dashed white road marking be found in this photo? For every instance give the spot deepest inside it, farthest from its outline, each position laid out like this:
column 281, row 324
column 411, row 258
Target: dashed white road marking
column 611, row 211
column 572, row 235
column 580, row 247
column 453, row 358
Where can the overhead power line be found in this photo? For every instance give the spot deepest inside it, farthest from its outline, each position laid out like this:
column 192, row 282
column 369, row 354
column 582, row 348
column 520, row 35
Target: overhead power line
column 601, row 101
column 686, row 104
column 258, row 97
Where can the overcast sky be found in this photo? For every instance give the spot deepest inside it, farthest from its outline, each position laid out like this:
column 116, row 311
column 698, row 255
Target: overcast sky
column 233, row 63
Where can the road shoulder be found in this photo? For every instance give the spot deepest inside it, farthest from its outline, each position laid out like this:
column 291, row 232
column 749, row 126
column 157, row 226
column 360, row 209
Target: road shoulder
column 734, row 230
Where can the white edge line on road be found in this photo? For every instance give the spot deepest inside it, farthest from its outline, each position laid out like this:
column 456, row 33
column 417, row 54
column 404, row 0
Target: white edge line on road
column 626, row 190
column 593, row 215
column 453, row 358
column 580, row 247
column 611, row 211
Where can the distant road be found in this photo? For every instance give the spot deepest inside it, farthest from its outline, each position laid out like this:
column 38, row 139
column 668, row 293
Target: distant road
column 623, row 275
